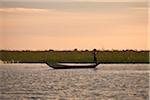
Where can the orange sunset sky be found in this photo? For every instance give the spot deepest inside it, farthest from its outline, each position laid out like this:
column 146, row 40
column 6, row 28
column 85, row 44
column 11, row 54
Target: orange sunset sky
column 69, row 24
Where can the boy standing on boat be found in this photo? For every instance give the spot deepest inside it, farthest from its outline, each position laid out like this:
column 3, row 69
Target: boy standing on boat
column 94, row 54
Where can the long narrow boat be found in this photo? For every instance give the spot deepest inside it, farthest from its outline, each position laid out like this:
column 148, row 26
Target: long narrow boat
column 71, row 65
column 75, row 65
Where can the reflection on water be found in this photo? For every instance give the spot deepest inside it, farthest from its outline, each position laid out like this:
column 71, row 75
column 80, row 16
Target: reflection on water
column 38, row 81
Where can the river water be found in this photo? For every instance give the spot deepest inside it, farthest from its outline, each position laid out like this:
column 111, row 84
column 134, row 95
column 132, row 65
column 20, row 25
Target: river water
column 106, row 82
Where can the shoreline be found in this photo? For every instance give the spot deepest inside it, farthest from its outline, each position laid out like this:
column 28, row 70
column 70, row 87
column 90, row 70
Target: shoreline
column 104, row 57
column 9, row 62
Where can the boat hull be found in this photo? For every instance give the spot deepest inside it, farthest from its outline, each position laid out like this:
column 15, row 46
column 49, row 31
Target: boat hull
column 71, row 66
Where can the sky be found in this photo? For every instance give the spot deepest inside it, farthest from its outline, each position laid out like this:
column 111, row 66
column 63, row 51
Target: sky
column 82, row 0
column 69, row 24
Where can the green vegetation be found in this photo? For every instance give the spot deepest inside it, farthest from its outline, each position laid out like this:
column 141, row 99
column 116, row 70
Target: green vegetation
column 114, row 56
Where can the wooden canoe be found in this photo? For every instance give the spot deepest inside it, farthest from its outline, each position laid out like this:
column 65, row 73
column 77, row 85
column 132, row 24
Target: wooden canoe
column 71, row 65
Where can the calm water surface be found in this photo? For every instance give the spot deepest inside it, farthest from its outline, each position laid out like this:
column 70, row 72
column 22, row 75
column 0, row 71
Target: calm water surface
column 107, row 82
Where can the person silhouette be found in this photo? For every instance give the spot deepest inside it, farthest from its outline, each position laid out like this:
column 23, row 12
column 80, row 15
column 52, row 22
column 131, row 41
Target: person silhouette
column 94, row 55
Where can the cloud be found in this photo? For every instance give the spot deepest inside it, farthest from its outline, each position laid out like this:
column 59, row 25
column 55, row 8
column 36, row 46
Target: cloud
column 22, row 10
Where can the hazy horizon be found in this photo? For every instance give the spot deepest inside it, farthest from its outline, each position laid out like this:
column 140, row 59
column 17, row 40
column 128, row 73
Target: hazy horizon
column 70, row 24
column 75, row 49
